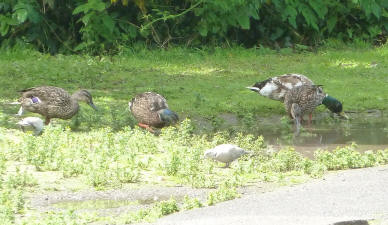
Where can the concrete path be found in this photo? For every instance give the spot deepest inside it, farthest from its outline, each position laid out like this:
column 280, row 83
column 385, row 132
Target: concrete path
column 359, row 194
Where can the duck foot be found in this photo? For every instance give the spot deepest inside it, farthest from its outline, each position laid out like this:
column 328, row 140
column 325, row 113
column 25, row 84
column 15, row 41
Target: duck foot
column 47, row 121
column 145, row 126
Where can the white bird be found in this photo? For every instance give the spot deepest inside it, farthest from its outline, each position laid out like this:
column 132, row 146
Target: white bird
column 225, row 153
column 34, row 122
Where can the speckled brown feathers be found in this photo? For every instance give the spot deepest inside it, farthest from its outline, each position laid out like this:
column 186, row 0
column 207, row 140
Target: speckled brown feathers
column 147, row 108
column 307, row 97
column 53, row 102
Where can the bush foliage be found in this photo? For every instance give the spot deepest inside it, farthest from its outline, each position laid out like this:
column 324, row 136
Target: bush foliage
column 100, row 26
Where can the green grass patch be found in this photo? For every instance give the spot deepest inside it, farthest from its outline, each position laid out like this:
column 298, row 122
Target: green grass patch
column 196, row 82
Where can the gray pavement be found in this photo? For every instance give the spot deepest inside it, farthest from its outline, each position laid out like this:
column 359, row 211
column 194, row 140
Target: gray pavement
column 359, row 194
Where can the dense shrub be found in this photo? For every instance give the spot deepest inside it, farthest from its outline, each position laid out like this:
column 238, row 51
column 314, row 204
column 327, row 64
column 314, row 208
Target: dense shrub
column 98, row 26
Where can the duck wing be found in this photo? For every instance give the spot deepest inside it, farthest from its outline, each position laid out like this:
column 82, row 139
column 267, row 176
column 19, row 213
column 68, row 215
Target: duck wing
column 47, row 94
column 146, row 108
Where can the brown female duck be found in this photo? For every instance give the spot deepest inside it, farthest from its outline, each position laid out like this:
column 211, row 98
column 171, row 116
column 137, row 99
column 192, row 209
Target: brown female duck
column 151, row 110
column 53, row 102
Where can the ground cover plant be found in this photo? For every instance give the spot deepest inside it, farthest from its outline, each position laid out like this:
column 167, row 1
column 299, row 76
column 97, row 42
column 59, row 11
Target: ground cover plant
column 104, row 151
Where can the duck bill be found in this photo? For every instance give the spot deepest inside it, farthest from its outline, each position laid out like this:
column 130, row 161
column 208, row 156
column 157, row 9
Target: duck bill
column 255, row 89
column 343, row 115
column 93, row 106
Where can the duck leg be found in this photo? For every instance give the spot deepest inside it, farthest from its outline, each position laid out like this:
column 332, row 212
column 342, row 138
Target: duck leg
column 47, row 121
column 297, row 115
column 226, row 165
column 21, row 111
column 145, row 126
column 310, row 118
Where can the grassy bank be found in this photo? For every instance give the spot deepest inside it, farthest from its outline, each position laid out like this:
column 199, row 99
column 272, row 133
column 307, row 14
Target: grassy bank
column 200, row 82
column 65, row 161
column 107, row 153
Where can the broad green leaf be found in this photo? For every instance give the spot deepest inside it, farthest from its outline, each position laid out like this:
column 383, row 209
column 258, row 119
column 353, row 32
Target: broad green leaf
column 331, row 22
column 4, row 27
column 21, row 15
column 132, row 32
column 254, row 12
column 376, row 10
column 98, row 5
column 108, row 23
column 319, row 7
column 80, row 8
column 309, row 16
column 203, row 30
column 366, row 6
column 290, row 14
column 243, row 20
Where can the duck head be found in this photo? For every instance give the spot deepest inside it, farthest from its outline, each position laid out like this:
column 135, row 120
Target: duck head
column 84, row 96
column 259, row 85
column 334, row 106
column 168, row 117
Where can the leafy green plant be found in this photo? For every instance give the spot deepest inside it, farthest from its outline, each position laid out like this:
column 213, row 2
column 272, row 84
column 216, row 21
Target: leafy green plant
column 191, row 203
column 348, row 157
column 101, row 27
column 226, row 191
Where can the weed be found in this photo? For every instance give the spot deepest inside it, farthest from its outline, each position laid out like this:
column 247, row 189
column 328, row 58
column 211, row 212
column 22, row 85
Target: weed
column 226, row 191
column 191, row 203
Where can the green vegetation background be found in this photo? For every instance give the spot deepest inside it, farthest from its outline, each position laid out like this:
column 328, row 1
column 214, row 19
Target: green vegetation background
column 105, row 26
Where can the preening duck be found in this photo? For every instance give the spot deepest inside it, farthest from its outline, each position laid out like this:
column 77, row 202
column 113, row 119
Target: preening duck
column 151, row 110
column 301, row 100
column 276, row 88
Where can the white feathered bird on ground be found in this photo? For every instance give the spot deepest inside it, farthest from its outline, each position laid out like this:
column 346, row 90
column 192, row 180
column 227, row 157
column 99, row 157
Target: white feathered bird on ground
column 225, row 153
column 35, row 123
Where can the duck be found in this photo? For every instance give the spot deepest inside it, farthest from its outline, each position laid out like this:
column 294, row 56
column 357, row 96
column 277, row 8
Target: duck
column 35, row 123
column 277, row 87
column 53, row 102
column 150, row 109
column 303, row 100
column 225, row 153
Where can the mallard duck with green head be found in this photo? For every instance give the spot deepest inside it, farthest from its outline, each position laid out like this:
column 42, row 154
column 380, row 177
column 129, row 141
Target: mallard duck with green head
column 53, row 102
column 276, row 88
column 151, row 110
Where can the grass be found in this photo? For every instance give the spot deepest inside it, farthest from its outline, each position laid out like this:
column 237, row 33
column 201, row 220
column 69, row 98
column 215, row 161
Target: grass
column 103, row 150
column 199, row 82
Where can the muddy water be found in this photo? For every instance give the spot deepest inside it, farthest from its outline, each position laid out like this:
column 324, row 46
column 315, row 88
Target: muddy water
column 369, row 130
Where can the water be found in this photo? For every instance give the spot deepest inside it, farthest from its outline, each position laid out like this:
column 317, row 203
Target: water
column 364, row 128
column 369, row 130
